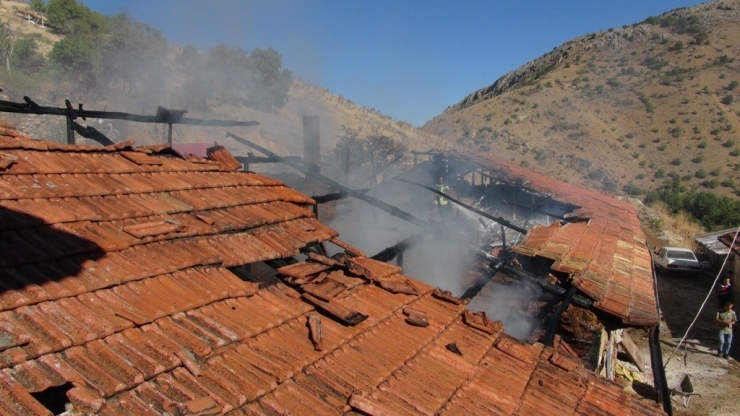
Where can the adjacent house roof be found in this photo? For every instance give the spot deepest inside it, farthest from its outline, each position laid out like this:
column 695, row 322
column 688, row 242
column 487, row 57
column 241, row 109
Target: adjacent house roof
column 605, row 253
column 115, row 284
column 711, row 242
column 730, row 239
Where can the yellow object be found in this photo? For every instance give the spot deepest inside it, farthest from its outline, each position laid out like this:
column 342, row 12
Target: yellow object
column 439, row 199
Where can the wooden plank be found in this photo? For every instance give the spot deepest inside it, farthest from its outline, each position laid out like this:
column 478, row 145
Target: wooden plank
column 632, row 352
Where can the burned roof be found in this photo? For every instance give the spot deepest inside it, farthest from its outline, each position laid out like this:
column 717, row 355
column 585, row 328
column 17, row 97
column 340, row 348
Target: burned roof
column 601, row 247
column 117, row 289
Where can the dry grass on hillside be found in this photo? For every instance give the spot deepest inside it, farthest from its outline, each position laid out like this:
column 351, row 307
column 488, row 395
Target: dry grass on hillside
column 661, row 220
column 46, row 39
column 624, row 106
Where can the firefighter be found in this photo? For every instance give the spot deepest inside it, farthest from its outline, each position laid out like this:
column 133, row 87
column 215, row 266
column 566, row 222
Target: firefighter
column 442, row 203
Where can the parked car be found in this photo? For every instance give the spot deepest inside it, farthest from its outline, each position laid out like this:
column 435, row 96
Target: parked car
column 676, row 259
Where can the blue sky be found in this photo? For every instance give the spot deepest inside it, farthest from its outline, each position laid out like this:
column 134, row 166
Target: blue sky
column 407, row 59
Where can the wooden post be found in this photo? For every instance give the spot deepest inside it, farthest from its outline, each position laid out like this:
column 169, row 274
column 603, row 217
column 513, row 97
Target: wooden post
column 70, row 132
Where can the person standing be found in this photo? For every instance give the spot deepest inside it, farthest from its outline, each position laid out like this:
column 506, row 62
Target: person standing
column 725, row 320
column 442, row 203
column 724, row 292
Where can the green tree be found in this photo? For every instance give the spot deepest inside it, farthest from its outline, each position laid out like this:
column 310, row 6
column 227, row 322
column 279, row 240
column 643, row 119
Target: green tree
column 26, row 56
column 269, row 83
column 357, row 159
column 38, row 5
column 78, row 56
column 70, row 17
column 132, row 54
column 230, row 76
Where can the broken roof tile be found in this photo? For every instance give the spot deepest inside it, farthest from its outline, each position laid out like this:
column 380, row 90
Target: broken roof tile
column 581, row 247
column 224, row 158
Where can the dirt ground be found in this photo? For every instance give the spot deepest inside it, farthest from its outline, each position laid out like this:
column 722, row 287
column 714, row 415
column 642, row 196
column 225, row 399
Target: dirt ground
column 715, row 378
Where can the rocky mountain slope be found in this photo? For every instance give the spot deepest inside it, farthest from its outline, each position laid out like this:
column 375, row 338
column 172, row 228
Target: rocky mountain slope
column 620, row 109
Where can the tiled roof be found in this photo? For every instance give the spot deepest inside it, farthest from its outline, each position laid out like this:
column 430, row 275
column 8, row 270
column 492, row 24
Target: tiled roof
column 606, row 253
column 115, row 283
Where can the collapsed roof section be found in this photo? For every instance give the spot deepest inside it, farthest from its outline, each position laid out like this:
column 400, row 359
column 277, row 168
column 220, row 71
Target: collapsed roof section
column 601, row 245
column 116, row 290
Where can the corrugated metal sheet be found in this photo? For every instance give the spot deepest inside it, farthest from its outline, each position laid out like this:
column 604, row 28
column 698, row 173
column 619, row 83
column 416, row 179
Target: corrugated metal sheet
column 606, row 254
column 115, row 279
column 711, row 241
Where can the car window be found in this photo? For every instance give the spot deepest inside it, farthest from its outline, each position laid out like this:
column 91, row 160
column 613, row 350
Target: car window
column 681, row 255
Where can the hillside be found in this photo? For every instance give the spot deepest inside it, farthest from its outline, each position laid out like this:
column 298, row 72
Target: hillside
column 634, row 105
column 280, row 129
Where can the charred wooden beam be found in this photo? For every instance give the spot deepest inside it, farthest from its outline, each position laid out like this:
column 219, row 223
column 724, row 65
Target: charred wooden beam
column 499, row 220
column 535, row 209
column 26, row 108
column 389, row 253
column 383, row 168
column 545, row 285
column 92, row 133
column 552, row 326
column 473, row 290
column 322, row 199
column 396, row 212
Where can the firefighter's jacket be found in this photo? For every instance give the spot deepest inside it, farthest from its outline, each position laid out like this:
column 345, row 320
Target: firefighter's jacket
column 439, row 199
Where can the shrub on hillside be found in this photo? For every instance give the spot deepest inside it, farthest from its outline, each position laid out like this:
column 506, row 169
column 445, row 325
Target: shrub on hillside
column 710, row 183
column 712, row 211
column 676, row 131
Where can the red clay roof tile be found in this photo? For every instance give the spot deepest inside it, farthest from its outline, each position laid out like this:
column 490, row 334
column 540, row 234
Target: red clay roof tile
column 130, row 318
column 576, row 247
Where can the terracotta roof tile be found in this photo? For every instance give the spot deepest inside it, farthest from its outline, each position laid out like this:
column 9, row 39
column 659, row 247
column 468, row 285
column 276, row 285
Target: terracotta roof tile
column 607, row 242
column 114, row 278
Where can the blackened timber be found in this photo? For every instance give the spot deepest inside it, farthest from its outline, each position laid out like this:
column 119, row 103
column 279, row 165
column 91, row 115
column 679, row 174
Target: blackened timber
column 495, row 265
column 389, row 253
column 396, row 212
column 384, row 167
column 26, row 108
column 322, row 199
column 90, row 132
column 466, row 206
column 473, row 290
column 537, row 210
column 545, row 285
column 553, row 325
